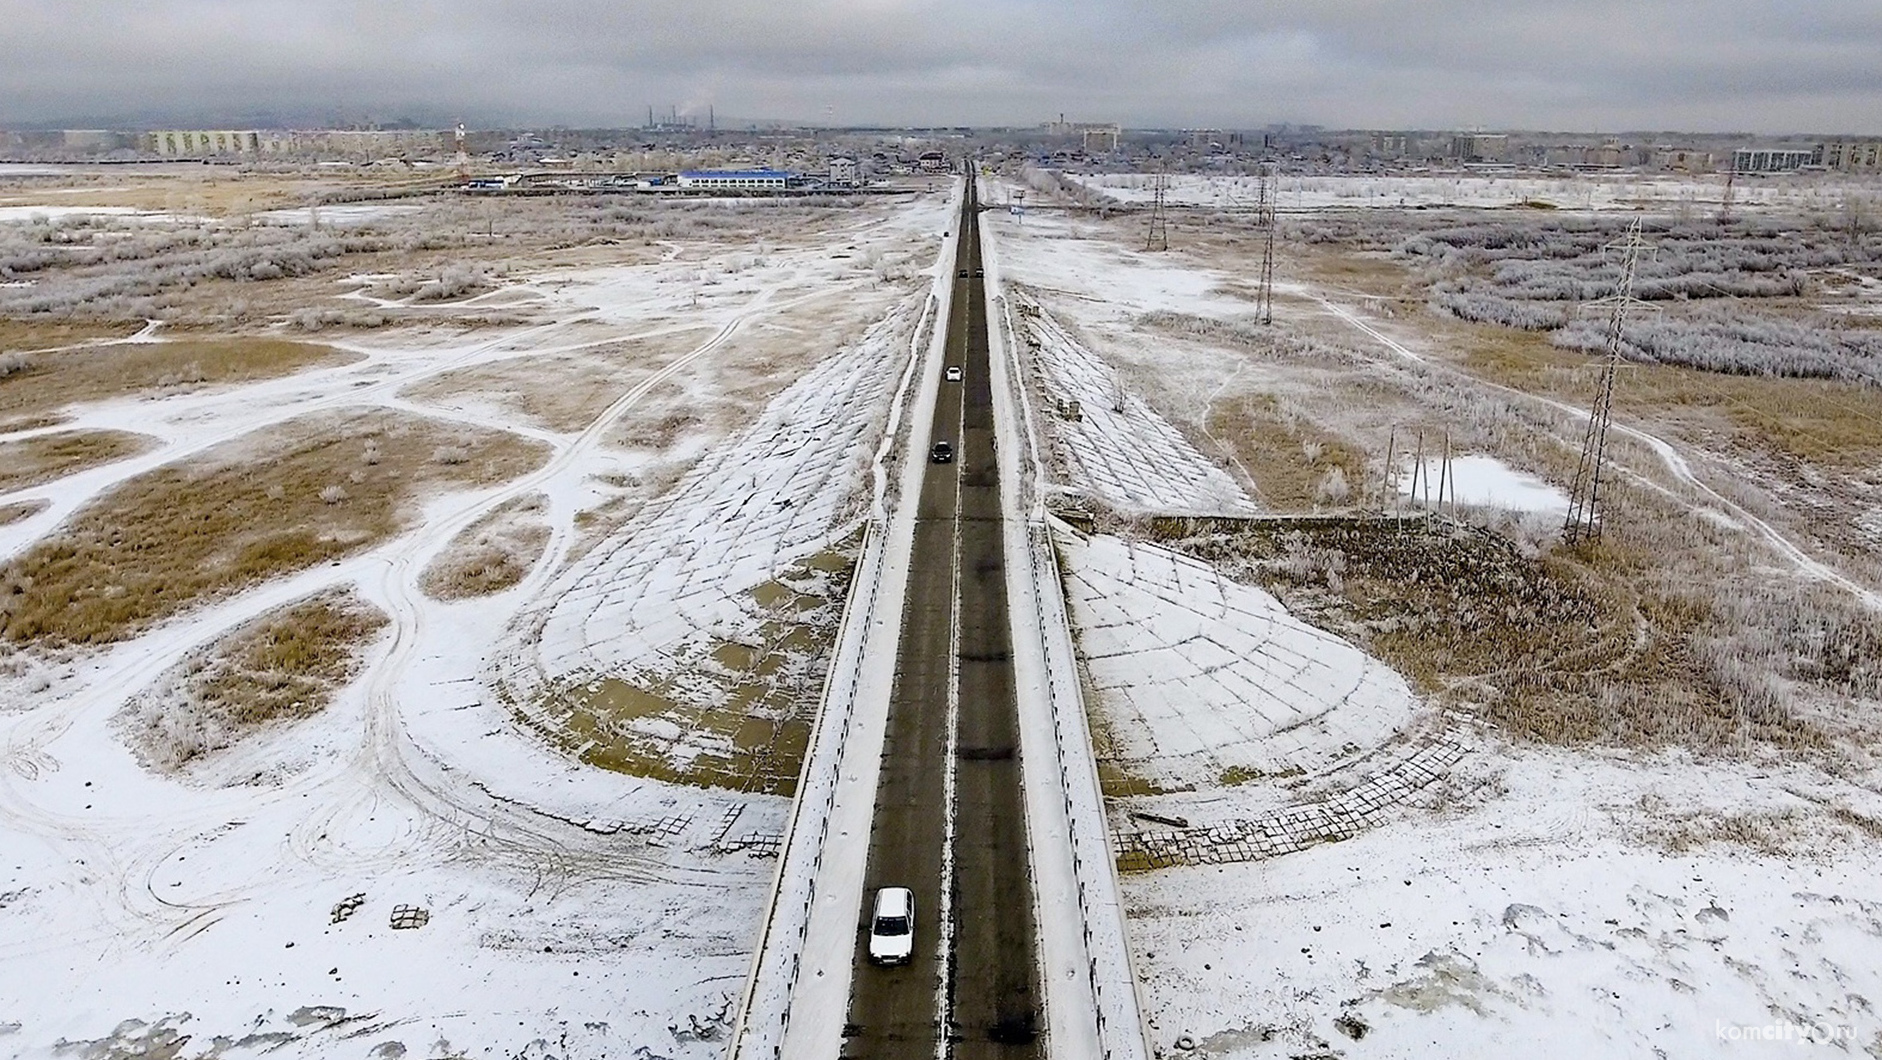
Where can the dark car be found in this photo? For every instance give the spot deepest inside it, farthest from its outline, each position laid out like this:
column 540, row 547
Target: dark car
column 962, row 274
column 942, row 453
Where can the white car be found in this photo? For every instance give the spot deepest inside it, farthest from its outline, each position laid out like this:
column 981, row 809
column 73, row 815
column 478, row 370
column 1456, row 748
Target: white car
column 953, row 374
column 892, row 928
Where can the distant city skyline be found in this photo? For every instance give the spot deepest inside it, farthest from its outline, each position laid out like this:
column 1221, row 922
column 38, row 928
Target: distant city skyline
column 1760, row 67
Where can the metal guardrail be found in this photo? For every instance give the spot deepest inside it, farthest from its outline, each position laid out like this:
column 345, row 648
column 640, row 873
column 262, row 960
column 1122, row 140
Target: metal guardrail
column 802, row 849
column 794, row 889
column 1117, row 1043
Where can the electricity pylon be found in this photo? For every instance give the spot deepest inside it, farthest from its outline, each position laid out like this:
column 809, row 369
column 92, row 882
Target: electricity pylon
column 1159, row 236
column 1264, row 220
column 1584, row 506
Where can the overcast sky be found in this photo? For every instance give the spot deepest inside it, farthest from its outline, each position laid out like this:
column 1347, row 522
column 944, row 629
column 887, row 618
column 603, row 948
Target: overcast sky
column 1597, row 65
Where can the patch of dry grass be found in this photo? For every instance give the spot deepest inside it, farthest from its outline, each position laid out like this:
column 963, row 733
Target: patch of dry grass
column 492, row 554
column 1557, row 648
column 1296, row 464
column 725, row 713
column 49, row 382
column 281, row 667
column 29, row 335
column 219, row 191
column 305, row 492
column 13, row 513
column 1820, row 421
column 30, row 461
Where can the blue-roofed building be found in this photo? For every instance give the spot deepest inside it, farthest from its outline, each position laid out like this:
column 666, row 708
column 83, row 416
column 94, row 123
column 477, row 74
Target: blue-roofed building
column 737, row 179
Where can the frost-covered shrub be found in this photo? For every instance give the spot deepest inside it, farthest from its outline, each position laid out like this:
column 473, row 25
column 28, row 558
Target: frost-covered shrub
column 1490, row 309
column 454, row 281
column 187, row 375
column 16, row 361
column 1739, row 344
column 312, row 319
column 1263, row 338
column 1333, row 488
column 333, row 494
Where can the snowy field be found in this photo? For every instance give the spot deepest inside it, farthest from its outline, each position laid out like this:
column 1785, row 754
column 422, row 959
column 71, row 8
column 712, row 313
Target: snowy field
column 411, row 872
column 1547, row 903
column 1589, row 192
column 1420, row 885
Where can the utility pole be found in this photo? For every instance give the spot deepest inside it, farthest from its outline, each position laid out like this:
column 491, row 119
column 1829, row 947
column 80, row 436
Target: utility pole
column 1159, row 235
column 1584, row 506
column 1264, row 221
column 1389, row 492
column 1731, row 179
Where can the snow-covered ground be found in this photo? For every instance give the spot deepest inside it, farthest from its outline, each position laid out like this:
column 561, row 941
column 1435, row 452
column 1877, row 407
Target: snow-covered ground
column 680, row 581
column 1588, row 192
column 1431, row 890
column 1198, row 677
column 1106, row 440
column 568, row 911
column 1555, row 904
column 43, row 214
column 338, row 214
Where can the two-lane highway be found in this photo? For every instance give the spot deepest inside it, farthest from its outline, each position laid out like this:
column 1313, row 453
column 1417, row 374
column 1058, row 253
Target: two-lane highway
column 953, row 729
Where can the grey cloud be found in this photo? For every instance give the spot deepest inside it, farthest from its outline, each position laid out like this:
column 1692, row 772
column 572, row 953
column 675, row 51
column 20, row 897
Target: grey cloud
column 1701, row 64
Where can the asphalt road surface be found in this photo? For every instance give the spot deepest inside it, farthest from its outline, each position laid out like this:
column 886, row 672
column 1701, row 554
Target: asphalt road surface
column 985, row 1000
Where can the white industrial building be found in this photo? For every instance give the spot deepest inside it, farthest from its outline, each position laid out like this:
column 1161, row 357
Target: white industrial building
column 1853, row 156
column 350, row 143
column 1775, row 159
column 195, row 143
column 736, row 179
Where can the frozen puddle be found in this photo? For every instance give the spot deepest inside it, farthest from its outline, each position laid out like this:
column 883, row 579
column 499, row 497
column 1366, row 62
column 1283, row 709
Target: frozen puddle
column 20, row 215
column 337, row 215
column 1486, row 482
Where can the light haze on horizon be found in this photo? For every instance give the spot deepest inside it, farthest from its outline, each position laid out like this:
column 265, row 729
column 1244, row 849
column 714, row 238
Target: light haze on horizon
column 1760, row 66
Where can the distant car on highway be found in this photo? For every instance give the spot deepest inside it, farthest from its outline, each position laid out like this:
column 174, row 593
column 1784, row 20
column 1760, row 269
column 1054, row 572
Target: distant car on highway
column 942, row 453
column 954, row 373
column 892, row 927
column 979, row 273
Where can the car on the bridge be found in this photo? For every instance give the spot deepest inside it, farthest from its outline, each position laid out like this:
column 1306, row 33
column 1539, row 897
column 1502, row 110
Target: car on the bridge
column 942, row 453
column 953, row 374
column 892, row 927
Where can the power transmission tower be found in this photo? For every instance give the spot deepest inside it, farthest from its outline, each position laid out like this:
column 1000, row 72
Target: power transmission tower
column 1159, row 235
column 1584, row 506
column 1264, row 220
